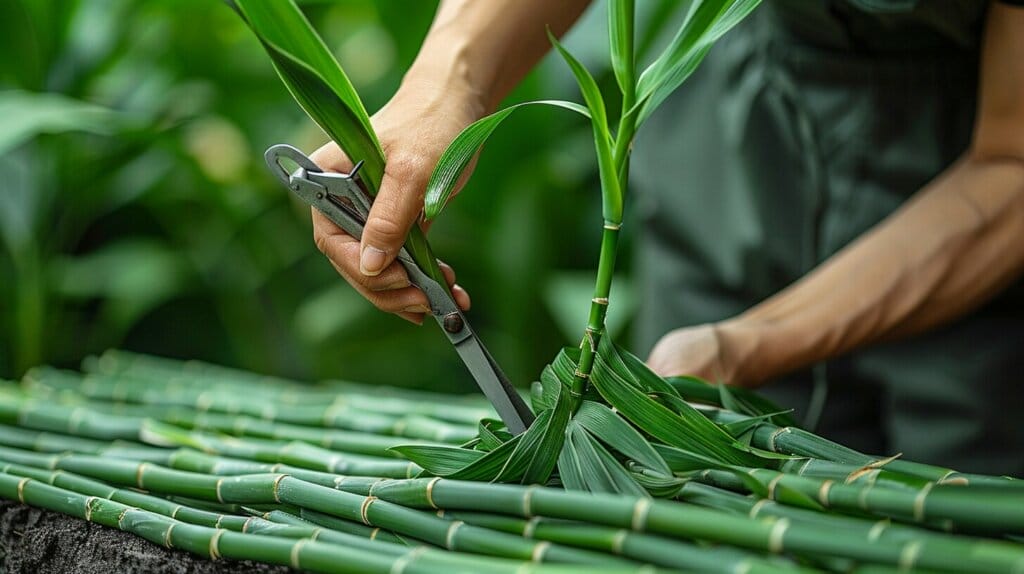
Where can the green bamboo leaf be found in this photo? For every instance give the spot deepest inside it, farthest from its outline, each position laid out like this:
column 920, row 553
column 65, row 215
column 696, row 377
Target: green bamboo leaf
column 611, row 192
column 537, row 453
column 28, row 114
column 599, row 469
column 439, row 460
column 488, row 466
column 491, row 434
column 602, row 422
column 549, row 388
column 744, row 401
column 464, row 147
column 321, row 88
column 706, row 22
column 545, row 457
column 620, row 31
column 687, row 428
column 569, row 470
column 315, row 80
column 681, row 459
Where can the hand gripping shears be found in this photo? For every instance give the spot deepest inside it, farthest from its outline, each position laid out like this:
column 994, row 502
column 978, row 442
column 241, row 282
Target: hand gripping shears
column 341, row 197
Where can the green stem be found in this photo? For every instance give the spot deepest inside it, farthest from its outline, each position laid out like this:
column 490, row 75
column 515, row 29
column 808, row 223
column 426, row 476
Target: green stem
column 609, row 248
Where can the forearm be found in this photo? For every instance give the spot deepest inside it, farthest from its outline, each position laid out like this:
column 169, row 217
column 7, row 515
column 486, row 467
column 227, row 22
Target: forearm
column 944, row 253
column 482, row 49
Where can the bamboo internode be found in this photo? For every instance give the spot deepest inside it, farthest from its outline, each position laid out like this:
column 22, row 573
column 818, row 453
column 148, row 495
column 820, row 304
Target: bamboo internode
column 130, row 445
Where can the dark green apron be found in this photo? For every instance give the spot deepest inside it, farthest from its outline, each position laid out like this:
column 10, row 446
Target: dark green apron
column 806, row 126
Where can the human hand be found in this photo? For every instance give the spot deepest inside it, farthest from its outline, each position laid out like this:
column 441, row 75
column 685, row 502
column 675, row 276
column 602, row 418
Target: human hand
column 716, row 352
column 414, row 129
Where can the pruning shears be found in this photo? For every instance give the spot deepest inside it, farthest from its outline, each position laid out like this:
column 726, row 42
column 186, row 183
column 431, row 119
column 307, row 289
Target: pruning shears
column 342, row 198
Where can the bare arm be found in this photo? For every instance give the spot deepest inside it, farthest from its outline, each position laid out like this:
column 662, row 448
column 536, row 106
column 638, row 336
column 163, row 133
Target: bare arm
column 954, row 245
column 474, row 54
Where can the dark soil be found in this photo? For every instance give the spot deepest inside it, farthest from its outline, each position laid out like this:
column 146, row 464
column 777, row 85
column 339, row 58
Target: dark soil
column 34, row 541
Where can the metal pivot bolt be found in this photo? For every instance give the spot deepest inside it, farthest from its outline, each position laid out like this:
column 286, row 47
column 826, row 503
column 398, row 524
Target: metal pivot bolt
column 453, row 322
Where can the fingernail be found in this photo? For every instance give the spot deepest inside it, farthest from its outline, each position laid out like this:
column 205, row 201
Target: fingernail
column 417, row 309
column 371, row 261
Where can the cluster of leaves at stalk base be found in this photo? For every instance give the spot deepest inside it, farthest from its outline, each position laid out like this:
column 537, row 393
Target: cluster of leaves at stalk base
column 632, row 432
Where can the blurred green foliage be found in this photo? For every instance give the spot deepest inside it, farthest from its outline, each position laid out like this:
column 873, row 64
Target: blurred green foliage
column 136, row 211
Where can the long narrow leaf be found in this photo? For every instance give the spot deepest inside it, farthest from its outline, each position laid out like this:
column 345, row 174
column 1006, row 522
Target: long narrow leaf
column 321, row 88
column 460, row 152
column 611, row 192
column 620, row 31
column 707, row 21
column 602, row 422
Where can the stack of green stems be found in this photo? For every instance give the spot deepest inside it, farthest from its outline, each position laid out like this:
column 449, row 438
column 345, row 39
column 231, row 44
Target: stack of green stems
column 390, row 503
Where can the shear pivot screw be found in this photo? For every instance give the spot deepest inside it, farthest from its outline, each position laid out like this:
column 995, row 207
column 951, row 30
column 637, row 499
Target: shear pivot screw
column 452, row 322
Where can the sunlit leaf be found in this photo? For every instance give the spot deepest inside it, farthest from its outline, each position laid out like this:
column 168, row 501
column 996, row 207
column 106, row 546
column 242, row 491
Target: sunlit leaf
column 704, row 24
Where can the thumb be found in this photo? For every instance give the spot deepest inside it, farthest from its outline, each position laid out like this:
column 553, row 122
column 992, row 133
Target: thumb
column 395, row 209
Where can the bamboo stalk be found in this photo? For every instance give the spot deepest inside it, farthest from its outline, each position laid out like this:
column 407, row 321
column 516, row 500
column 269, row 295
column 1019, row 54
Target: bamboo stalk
column 280, row 488
column 215, row 543
column 651, row 549
column 671, row 519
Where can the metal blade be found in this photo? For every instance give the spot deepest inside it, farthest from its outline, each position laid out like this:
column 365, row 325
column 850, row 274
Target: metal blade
column 510, row 406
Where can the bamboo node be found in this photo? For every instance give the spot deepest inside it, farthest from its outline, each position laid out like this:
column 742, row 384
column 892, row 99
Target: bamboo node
column 167, row 535
column 757, row 507
column 21, row 489
column 365, row 508
column 743, row 567
column 640, row 511
column 580, row 375
column 214, row 540
column 430, row 492
column 823, row 490
column 599, row 300
column 527, row 496
column 877, row 529
column 530, row 526
column 618, row 540
column 862, row 498
column 174, row 513
column 139, row 471
column 776, row 536
column 919, row 501
column 399, row 565
column 374, row 533
column 296, row 553
column 88, row 508
column 245, row 525
column 908, row 556
column 120, row 517
column 772, row 484
column 217, row 490
column 449, row 538
column 277, row 485
column 539, row 550
column 774, row 436
column 612, row 226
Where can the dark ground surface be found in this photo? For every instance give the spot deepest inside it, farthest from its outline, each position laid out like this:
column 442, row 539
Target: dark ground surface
column 38, row 541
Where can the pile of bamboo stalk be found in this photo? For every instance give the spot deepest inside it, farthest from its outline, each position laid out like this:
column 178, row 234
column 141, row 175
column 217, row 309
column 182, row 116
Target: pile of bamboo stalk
column 224, row 463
